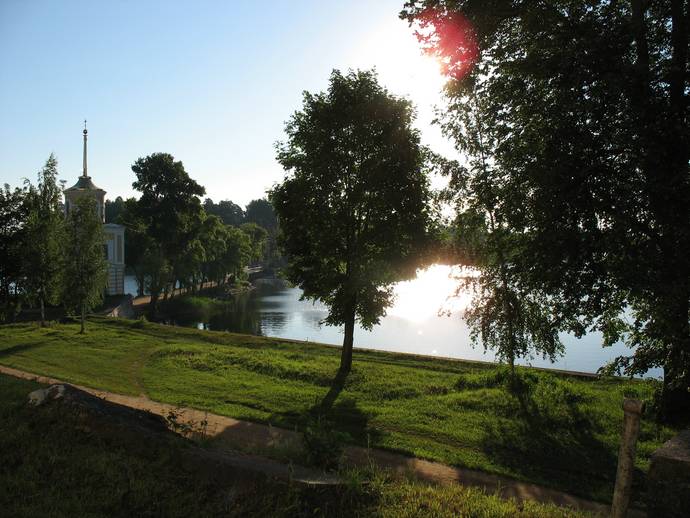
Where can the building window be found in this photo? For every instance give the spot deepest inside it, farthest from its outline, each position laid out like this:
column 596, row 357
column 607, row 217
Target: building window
column 105, row 251
column 119, row 249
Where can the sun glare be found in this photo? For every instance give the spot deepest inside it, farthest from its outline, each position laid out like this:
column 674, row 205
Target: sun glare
column 406, row 70
column 401, row 64
column 432, row 291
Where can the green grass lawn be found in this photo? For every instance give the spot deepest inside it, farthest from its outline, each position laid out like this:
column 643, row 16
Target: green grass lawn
column 561, row 431
column 52, row 465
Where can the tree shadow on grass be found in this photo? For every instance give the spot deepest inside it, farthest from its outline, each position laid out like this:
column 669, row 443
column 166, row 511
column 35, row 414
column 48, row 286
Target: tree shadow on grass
column 551, row 439
column 16, row 349
column 343, row 414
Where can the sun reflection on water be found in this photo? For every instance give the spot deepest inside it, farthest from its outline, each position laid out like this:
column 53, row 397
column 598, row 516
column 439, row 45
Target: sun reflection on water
column 431, row 292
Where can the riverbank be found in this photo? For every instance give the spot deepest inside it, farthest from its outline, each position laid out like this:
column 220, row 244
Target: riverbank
column 208, row 289
column 412, row 324
column 557, row 430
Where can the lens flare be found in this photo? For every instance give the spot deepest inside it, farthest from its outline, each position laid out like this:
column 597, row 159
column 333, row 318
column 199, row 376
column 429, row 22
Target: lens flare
column 451, row 38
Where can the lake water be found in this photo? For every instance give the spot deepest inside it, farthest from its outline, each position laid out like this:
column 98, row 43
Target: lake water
column 412, row 325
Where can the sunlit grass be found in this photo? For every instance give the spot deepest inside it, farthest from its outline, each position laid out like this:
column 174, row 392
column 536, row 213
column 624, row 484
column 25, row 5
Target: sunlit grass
column 556, row 430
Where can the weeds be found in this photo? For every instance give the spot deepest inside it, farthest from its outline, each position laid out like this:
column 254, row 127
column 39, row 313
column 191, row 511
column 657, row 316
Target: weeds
column 197, row 430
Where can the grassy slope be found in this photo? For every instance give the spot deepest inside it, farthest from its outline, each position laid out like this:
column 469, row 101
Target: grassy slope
column 51, row 465
column 560, row 431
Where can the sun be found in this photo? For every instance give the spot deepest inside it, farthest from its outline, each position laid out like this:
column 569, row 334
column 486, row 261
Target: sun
column 405, row 70
column 401, row 64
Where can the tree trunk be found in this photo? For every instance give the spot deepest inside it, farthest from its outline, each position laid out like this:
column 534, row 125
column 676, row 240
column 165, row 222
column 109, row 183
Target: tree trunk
column 153, row 305
column 43, row 311
column 664, row 162
column 83, row 315
column 674, row 199
column 675, row 400
column 348, row 341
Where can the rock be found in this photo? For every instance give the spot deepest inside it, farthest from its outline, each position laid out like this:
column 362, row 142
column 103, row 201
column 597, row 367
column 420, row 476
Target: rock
column 41, row 396
column 668, row 490
column 94, row 412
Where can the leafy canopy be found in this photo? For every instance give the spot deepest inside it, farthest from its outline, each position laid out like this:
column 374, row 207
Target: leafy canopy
column 353, row 208
column 584, row 108
column 43, row 248
column 85, row 264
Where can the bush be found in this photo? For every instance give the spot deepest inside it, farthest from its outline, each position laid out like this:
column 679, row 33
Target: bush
column 323, row 444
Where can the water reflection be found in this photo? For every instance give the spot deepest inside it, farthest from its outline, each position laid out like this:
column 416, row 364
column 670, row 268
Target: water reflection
column 412, row 325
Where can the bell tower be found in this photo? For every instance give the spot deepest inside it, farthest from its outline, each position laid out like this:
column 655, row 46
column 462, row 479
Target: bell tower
column 114, row 246
column 85, row 187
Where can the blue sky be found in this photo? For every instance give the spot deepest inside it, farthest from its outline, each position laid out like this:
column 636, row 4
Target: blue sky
column 212, row 83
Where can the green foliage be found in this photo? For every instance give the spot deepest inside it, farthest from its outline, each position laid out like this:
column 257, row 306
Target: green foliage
column 258, row 237
column 238, row 250
column 43, row 246
column 113, row 209
column 229, row 212
column 13, row 213
column 261, row 212
column 584, row 127
column 353, row 208
column 565, row 434
column 172, row 240
column 323, row 443
column 86, row 269
column 170, row 211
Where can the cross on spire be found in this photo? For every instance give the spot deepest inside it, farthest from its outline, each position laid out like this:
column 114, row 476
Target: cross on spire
column 85, row 133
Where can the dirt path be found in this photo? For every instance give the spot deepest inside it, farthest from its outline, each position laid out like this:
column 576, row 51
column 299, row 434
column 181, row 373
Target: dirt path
column 230, row 434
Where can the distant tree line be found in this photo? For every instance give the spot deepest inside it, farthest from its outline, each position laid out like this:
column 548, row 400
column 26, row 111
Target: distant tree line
column 47, row 258
column 173, row 240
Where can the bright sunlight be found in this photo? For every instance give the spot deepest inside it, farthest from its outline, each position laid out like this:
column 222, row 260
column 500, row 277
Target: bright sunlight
column 432, row 291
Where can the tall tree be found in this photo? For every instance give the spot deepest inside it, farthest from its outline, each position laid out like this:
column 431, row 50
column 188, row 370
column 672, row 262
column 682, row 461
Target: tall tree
column 589, row 103
column 353, row 208
column 138, row 242
column 510, row 317
column 13, row 213
column 214, row 238
column 170, row 210
column 43, row 250
column 229, row 212
column 258, row 237
column 237, row 252
column 113, row 209
column 86, row 268
column 261, row 212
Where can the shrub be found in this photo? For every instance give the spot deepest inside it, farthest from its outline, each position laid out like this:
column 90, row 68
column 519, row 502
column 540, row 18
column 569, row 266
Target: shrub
column 323, row 444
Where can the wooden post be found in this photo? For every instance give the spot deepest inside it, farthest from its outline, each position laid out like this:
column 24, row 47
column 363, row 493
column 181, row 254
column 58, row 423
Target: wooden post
column 626, row 457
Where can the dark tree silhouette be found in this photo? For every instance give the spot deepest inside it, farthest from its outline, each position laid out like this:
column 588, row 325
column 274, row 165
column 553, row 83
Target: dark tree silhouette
column 169, row 210
column 585, row 106
column 353, row 208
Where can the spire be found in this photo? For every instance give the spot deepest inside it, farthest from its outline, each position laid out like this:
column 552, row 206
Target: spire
column 85, row 133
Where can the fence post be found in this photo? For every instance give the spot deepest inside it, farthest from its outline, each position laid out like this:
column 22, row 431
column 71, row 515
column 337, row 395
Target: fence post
column 632, row 409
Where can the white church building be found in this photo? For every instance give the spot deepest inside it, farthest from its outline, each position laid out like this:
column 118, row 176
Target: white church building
column 114, row 247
